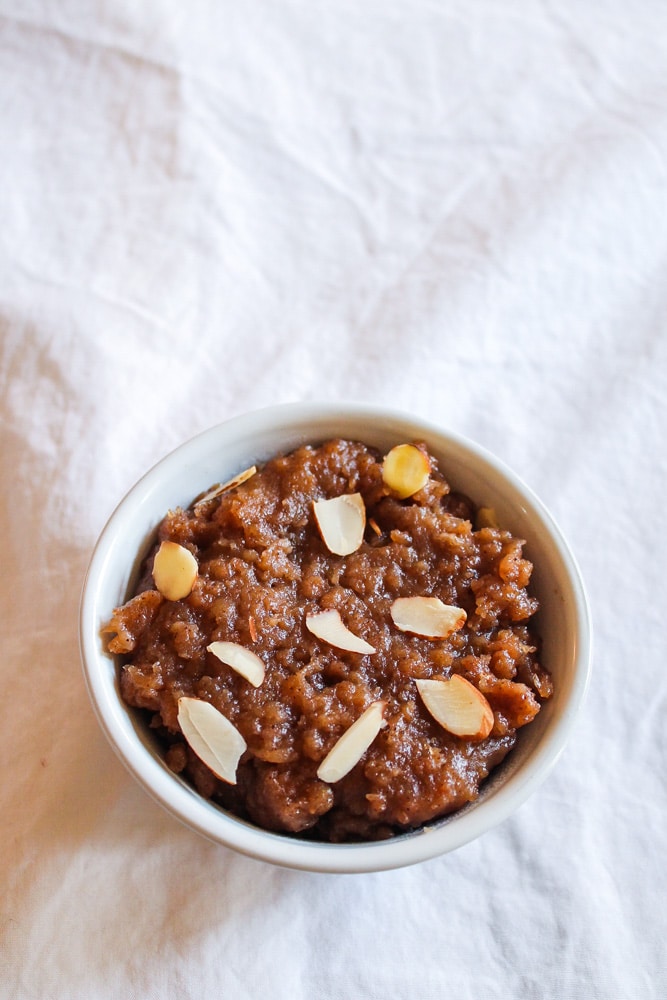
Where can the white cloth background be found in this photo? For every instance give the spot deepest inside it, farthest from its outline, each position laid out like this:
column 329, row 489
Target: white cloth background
column 457, row 208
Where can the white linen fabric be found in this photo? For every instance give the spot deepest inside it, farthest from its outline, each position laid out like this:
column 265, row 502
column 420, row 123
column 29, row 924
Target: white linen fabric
column 458, row 209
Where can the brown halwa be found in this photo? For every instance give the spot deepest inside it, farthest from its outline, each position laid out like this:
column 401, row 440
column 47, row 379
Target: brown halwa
column 263, row 568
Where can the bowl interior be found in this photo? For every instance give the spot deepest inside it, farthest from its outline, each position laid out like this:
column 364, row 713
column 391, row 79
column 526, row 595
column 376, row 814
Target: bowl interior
column 222, row 452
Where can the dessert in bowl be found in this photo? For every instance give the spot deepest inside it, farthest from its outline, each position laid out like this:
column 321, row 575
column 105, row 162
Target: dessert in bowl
column 294, row 699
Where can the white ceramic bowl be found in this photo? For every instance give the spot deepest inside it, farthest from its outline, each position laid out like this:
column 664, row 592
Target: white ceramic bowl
column 220, row 453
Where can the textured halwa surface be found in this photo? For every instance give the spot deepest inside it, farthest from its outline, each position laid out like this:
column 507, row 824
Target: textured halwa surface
column 263, row 567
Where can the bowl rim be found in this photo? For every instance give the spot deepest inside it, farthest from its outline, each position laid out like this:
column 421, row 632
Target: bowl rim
column 214, row 823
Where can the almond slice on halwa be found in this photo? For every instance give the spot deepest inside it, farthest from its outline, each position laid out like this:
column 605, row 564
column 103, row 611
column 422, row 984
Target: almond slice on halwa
column 328, row 626
column 353, row 744
column 220, row 488
column 427, row 616
column 405, row 470
column 457, row 706
column 342, row 522
column 174, row 570
column 215, row 740
column 242, row 660
column 486, row 517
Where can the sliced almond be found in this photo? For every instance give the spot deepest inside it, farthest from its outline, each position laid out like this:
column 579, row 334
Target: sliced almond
column 427, row 616
column 458, row 706
column 242, row 660
column 328, row 626
column 405, row 470
column 353, row 744
column 342, row 521
column 174, row 571
column 486, row 518
column 220, row 488
column 215, row 740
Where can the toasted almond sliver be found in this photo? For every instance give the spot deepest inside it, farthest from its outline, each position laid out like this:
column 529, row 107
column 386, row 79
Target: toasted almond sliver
column 242, row 660
column 486, row 518
column 215, row 740
column 216, row 491
column 353, row 744
column 174, row 570
column 458, row 706
column 328, row 626
column 342, row 521
column 405, row 470
column 427, row 616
